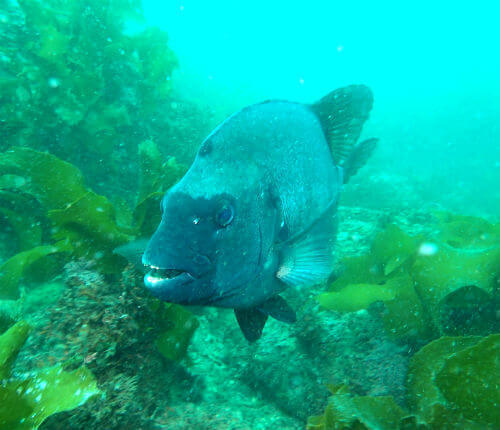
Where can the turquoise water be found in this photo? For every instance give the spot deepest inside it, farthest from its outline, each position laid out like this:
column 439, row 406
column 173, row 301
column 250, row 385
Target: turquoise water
column 431, row 67
column 389, row 315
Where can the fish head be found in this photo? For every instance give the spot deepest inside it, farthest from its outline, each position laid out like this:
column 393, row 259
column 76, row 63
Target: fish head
column 205, row 248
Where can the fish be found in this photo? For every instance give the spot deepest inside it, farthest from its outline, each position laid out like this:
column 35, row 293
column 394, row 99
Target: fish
column 256, row 213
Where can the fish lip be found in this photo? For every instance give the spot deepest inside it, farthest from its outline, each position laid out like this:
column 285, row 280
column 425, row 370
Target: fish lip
column 154, row 268
column 153, row 282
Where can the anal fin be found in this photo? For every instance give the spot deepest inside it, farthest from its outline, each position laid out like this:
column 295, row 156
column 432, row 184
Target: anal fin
column 252, row 322
column 279, row 309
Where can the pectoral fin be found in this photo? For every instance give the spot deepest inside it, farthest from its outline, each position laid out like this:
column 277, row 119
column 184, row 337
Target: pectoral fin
column 252, row 322
column 307, row 258
column 133, row 251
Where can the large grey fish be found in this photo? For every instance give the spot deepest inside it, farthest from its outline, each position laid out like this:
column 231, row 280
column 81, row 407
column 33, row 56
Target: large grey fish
column 257, row 210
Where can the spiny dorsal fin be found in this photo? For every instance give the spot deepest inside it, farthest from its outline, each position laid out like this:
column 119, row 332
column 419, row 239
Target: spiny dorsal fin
column 359, row 156
column 342, row 114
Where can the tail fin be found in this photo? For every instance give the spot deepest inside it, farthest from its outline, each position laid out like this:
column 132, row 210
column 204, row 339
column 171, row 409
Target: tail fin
column 342, row 114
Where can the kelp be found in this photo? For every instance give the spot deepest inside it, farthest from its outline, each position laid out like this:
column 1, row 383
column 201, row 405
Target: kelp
column 345, row 411
column 469, row 310
column 79, row 83
column 450, row 269
column 382, row 276
column 13, row 270
column 80, row 222
column 428, row 285
column 53, row 182
column 452, row 383
column 155, row 177
column 459, row 375
column 461, row 231
column 180, row 325
column 10, row 343
column 88, row 224
column 25, row 402
column 21, row 215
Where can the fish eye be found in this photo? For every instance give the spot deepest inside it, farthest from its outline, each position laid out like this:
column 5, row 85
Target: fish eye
column 224, row 215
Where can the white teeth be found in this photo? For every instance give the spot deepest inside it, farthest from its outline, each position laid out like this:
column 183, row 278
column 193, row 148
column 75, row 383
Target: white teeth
column 153, row 279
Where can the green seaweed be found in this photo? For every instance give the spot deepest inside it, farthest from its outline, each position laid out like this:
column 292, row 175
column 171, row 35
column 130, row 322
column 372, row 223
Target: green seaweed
column 23, row 217
column 80, row 84
column 25, row 403
column 53, row 43
column 470, row 381
column 426, row 285
column 181, row 324
column 393, row 248
column 10, row 343
column 423, row 393
column 52, row 181
column 469, row 310
column 102, row 125
column 79, row 217
column 90, row 225
column 451, row 269
column 355, row 297
column 452, row 383
column 151, row 169
column 345, row 411
column 155, row 177
column 382, row 276
column 458, row 375
column 13, row 270
column 461, row 231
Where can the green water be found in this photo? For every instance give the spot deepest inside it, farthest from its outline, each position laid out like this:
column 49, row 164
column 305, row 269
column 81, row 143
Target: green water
column 103, row 106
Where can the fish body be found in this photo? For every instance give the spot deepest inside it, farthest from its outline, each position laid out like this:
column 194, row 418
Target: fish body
column 257, row 210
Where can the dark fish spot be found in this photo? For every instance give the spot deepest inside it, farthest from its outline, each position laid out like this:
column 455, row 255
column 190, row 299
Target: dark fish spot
column 206, row 148
column 284, row 233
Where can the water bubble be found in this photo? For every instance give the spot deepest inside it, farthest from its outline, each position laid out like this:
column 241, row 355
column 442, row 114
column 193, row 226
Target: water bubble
column 54, row 82
column 427, row 249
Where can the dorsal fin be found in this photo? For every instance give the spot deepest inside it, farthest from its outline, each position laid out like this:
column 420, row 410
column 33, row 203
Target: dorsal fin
column 342, row 114
column 360, row 154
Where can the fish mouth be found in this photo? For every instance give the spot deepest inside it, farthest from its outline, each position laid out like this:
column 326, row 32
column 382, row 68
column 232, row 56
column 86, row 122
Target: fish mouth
column 158, row 277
